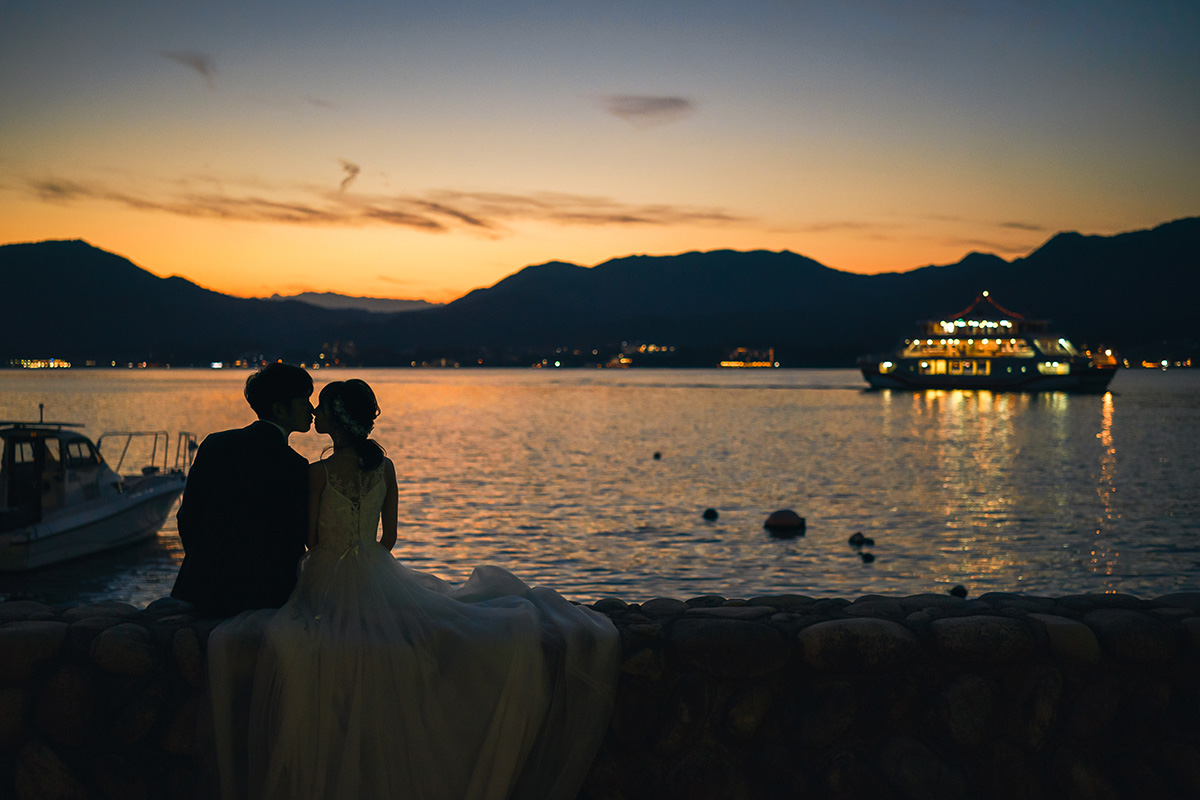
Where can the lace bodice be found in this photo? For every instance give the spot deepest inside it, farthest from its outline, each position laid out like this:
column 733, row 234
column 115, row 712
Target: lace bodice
column 350, row 508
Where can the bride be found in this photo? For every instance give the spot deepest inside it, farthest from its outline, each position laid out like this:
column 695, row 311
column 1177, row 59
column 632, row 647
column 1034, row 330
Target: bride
column 377, row 681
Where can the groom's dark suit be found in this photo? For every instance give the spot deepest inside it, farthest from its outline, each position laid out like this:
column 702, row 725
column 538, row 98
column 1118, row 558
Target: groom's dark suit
column 243, row 521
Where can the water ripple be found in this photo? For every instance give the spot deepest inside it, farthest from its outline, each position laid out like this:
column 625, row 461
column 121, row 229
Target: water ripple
column 554, row 475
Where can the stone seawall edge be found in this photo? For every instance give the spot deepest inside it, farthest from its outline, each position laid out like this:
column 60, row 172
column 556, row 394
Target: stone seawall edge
column 925, row 696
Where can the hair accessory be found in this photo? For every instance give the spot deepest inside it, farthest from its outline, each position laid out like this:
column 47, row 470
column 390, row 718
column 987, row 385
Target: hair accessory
column 355, row 429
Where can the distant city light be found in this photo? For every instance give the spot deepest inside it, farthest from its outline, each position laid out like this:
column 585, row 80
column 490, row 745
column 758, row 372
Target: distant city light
column 41, row 363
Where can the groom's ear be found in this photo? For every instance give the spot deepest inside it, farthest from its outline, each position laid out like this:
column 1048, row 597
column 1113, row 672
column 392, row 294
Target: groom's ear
column 279, row 411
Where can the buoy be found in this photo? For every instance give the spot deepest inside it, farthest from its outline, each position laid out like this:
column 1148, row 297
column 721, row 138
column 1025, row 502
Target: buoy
column 657, row 455
column 858, row 540
column 785, row 523
column 710, row 514
column 959, row 590
column 867, row 557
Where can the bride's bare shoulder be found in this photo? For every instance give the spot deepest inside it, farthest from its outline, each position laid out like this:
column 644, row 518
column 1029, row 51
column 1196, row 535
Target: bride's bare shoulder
column 334, row 463
column 321, row 465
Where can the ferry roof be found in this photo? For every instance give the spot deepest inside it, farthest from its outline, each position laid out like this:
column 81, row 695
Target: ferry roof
column 985, row 299
column 983, row 315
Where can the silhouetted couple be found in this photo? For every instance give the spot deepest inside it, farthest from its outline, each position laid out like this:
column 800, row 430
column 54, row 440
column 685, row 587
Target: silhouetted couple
column 371, row 679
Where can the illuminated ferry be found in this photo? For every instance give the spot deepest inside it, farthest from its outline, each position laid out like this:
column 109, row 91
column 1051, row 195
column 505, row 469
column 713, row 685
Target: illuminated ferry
column 987, row 346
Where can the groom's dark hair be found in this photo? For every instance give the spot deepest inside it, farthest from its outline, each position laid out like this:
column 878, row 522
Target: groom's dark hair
column 276, row 383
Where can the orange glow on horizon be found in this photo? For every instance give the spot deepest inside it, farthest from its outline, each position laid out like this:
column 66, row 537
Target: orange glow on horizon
column 247, row 259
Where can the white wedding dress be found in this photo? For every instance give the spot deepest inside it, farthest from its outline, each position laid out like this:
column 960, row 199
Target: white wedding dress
column 377, row 681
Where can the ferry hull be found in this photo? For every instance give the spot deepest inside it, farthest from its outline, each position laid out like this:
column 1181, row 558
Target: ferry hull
column 1086, row 380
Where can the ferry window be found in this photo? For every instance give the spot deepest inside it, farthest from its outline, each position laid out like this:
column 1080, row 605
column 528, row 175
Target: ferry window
column 23, row 453
column 1021, row 348
column 1055, row 347
column 53, row 452
column 1054, row 367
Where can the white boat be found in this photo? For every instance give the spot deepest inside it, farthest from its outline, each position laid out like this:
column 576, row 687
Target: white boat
column 60, row 499
column 986, row 346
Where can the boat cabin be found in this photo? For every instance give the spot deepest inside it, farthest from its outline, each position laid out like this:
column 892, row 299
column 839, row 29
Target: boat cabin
column 45, row 467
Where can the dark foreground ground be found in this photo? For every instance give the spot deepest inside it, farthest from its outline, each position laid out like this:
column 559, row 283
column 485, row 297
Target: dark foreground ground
column 928, row 696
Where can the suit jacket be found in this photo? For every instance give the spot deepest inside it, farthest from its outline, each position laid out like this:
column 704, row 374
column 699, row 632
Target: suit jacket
column 243, row 521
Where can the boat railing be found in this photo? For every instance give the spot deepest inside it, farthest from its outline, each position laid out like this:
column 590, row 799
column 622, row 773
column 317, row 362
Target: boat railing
column 156, row 460
column 185, row 451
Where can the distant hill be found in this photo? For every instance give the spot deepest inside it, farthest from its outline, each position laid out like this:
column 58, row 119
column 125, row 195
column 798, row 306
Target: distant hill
column 376, row 305
column 1134, row 291
column 82, row 303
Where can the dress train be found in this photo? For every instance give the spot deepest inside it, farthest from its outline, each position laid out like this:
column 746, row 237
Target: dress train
column 378, row 681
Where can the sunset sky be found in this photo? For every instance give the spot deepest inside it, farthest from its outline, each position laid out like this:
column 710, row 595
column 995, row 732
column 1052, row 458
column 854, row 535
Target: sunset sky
column 397, row 149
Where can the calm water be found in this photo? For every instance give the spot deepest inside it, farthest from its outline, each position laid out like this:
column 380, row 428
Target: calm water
column 553, row 474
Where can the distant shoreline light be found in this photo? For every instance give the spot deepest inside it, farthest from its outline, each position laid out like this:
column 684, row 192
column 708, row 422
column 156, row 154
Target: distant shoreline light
column 41, row 363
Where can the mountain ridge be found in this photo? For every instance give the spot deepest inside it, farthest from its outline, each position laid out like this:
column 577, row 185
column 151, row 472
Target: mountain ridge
column 1129, row 290
column 333, row 300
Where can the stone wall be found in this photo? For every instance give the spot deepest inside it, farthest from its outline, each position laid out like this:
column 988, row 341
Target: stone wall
column 98, row 701
column 930, row 696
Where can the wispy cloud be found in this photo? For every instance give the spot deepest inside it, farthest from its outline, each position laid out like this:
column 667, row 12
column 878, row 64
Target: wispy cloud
column 569, row 209
column 351, row 171
column 398, row 281
column 58, row 190
column 200, row 62
column 1023, row 226
column 833, row 226
column 646, row 110
column 986, row 246
column 978, row 223
column 873, row 230
column 489, row 213
column 999, row 245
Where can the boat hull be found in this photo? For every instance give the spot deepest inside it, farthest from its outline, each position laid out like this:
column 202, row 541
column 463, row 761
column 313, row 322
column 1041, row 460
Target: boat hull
column 136, row 515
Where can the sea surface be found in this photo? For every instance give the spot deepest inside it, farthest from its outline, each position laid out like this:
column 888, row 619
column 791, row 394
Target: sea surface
column 594, row 481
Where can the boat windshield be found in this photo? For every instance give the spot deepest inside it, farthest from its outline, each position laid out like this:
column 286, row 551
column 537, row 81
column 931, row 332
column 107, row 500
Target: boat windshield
column 32, row 477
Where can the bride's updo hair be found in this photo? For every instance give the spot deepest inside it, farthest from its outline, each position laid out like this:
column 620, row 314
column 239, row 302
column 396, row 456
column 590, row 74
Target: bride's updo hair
column 352, row 407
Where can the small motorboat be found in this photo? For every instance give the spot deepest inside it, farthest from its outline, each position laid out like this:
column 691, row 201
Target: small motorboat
column 60, row 499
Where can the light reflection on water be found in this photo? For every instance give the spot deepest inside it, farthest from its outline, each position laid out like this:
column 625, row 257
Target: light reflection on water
column 552, row 474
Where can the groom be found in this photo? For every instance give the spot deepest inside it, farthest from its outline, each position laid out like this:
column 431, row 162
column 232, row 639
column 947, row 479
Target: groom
column 244, row 515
